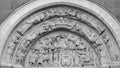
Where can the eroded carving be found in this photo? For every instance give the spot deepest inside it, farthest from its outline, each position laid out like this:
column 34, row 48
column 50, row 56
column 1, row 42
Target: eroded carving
column 30, row 48
column 63, row 50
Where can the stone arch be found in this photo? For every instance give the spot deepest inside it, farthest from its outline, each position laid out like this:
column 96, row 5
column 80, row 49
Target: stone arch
column 94, row 31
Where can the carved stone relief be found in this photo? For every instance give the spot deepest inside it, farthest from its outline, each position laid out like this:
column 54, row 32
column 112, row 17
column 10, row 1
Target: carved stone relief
column 62, row 36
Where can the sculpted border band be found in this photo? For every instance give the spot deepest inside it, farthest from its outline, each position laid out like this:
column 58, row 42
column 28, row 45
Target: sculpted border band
column 13, row 20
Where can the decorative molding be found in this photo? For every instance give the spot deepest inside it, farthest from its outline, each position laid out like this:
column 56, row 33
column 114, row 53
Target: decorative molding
column 60, row 33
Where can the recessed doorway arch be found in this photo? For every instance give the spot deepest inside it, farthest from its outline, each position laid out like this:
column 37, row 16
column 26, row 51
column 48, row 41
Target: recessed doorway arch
column 58, row 33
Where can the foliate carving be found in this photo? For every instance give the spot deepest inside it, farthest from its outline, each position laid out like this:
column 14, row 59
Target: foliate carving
column 22, row 51
column 110, row 46
column 62, row 37
column 11, row 48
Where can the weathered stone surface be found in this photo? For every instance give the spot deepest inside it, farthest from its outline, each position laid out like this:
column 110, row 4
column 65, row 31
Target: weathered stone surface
column 45, row 22
column 62, row 36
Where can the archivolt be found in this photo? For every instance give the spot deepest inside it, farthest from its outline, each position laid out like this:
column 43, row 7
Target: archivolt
column 60, row 35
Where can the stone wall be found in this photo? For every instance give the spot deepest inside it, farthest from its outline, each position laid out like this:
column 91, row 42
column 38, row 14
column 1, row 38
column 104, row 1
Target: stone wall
column 7, row 6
